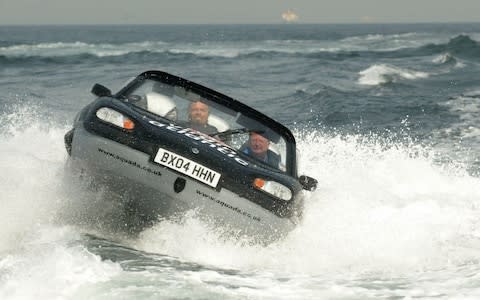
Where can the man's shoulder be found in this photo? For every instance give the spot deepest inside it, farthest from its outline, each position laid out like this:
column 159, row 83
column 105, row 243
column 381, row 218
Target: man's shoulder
column 273, row 158
column 212, row 127
column 209, row 129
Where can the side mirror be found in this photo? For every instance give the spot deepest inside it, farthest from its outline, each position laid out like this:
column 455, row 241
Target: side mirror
column 308, row 183
column 101, row 91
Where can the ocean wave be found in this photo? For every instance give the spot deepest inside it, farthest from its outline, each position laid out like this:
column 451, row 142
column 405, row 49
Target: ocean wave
column 366, row 181
column 444, row 58
column 464, row 44
column 76, row 48
column 461, row 138
column 389, row 42
column 467, row 107
column 472, row 94
column 448, row 59
column 461, row 46
column 207, row 49
column 383, row 73
column 376, row 46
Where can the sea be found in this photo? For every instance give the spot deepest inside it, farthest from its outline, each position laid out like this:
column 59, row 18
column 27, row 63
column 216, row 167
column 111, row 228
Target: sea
column 386, row 118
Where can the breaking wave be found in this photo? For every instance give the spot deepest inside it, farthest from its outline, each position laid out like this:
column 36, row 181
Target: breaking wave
column 379, row 206
column 398, row 46
column 383, row 74
column 382, row 207
column 462, row 46
column 31, row 166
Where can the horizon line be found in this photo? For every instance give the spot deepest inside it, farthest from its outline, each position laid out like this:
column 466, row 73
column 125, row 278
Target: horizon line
column 236, row 24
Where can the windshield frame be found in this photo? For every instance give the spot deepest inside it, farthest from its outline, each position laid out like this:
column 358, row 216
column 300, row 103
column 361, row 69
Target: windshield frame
column 222, row 100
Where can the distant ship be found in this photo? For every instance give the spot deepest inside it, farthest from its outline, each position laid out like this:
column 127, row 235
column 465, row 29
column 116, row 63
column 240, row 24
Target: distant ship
column 289, row 16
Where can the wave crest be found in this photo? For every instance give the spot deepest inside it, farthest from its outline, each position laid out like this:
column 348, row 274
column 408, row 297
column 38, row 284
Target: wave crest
column 383, row 74
column 383, row 46
column 461, row 46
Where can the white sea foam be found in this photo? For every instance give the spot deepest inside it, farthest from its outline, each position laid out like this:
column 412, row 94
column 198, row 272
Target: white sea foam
column 383, row 73
column 378, row 208
column 30, row 164
column 446, row 58
column 392, row 42
column 207, row 49
column 77, row 48
column 48, row 266
column 39, row 258
column 228, row 49
column 467, row 129
column 442, row 58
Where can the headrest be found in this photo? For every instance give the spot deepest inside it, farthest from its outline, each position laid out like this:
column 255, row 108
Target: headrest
column 273, row 147
column 160, row 104
column 218, row 122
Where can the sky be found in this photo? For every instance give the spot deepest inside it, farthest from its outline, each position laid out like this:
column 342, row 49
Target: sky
column 33, row 12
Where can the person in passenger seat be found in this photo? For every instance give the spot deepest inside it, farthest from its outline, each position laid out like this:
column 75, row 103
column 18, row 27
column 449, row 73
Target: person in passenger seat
column 257, row 146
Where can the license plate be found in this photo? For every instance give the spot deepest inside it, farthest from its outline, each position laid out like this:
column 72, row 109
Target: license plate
column 186, row 166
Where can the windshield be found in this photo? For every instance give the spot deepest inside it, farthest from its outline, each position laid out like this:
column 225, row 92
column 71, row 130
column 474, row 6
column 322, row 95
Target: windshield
column 224, row 119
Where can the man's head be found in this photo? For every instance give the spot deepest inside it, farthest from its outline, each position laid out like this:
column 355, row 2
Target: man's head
column 258, row 144
column 198, row 113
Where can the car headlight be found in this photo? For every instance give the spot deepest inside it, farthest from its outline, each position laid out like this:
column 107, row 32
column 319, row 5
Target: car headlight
column 115, row 118
column 273, row 188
